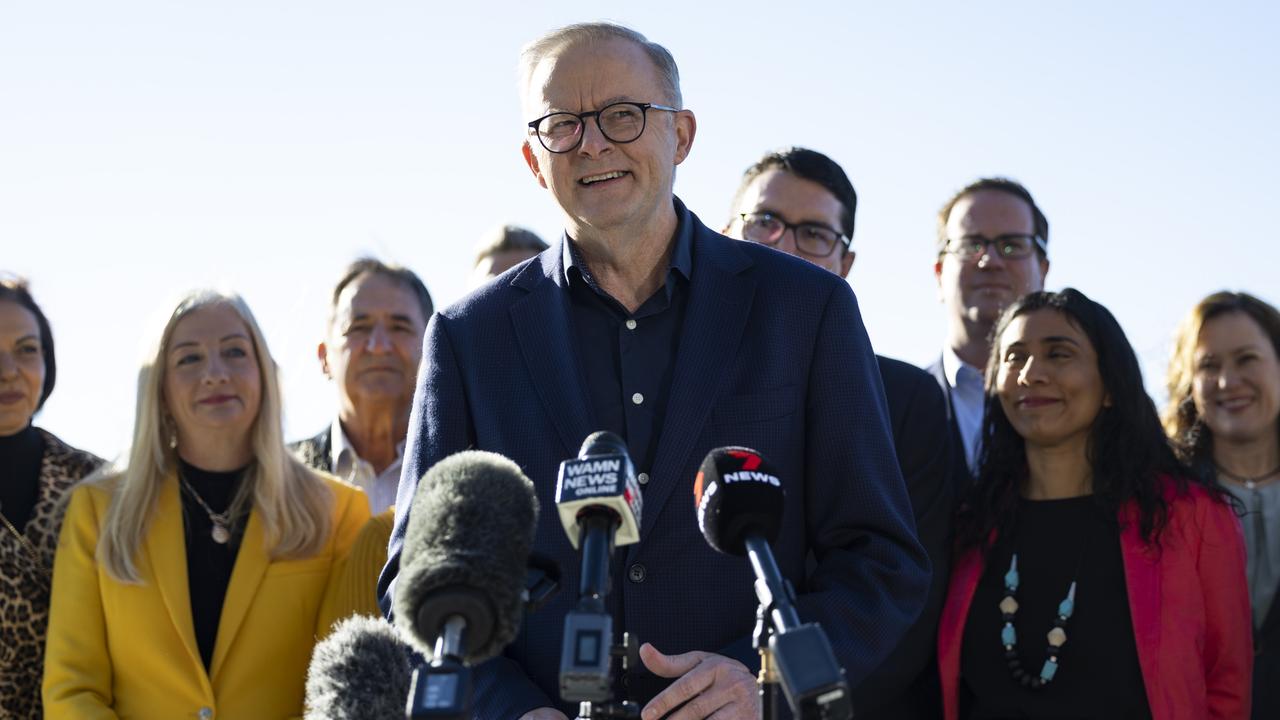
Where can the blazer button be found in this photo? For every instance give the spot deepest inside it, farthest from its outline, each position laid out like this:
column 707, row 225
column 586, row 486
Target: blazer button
column 205, row 713
column 636, row 573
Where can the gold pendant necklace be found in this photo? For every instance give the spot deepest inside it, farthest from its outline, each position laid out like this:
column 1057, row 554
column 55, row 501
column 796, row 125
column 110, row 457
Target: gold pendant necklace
column 221, row 531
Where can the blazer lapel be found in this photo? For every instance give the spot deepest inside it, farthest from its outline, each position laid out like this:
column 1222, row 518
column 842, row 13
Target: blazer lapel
column 1142, row 576
column 166, row 549
column 251, row 564
column 719, row 303
column 542, row 329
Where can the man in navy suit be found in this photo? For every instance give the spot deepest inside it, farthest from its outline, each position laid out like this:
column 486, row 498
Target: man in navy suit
column 993, row 248
column 801, row 202
column 642, row 321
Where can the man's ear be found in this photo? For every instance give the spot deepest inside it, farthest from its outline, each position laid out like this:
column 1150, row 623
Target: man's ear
column 686, row 129
column 937, row 275
column 531, row 159
column 846, row 262
column 322, row 353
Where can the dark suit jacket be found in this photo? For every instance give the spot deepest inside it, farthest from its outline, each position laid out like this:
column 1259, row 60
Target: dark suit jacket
column 316, row 452
column 772, row 355
column 905, row 686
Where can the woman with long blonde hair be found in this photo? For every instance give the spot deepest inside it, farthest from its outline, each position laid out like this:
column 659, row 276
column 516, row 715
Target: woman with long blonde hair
column 188, row 581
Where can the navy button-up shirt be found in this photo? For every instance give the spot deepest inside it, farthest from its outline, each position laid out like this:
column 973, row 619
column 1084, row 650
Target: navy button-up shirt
column 628, row 359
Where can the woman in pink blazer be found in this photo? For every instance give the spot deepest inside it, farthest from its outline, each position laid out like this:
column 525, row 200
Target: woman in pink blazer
column 1092, row 578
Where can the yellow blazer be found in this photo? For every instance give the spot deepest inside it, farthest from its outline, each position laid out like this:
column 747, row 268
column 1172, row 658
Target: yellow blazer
column 119, row 650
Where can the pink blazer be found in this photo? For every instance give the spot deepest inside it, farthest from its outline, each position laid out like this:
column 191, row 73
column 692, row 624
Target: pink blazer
column 1189, row 604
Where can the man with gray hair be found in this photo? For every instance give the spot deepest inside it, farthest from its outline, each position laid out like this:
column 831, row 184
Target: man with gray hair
column 642, row 321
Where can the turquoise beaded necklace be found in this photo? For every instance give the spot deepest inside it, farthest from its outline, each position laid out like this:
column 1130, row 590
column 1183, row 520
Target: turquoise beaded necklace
column 1009, row 636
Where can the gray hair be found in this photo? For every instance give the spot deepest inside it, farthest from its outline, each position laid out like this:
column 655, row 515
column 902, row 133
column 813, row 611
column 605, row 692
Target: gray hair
column 557, row 41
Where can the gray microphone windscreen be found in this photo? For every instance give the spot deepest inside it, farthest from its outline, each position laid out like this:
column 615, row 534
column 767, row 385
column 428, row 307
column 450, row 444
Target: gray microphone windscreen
column 360, row 672
column 466, row 551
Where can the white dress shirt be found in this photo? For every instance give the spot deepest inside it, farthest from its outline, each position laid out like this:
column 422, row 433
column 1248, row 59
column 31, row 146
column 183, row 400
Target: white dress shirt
column 380, row 488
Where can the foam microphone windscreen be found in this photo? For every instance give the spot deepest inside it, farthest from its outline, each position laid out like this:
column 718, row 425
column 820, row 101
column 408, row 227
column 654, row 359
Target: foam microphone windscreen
column 466, row 548
column 738, row 494
column 360, row 672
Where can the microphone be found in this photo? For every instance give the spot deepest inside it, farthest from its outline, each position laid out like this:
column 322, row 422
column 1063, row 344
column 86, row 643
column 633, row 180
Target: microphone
column 599, row 503
column 739, row 501
column 359, row 672
column 461, row 589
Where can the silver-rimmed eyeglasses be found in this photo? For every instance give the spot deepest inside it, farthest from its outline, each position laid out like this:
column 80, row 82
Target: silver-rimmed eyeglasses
column 1013, row 246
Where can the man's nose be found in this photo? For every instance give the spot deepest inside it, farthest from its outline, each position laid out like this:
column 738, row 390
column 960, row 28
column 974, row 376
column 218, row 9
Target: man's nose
column 593, row 140
column 379, row 339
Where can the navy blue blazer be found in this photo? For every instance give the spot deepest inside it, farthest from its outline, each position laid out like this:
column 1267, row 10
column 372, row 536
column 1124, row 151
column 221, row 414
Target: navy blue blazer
column 772, row 355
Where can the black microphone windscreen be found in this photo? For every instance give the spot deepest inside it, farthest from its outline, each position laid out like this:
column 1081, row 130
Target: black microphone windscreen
column 737, row 494
column 602, row 442
column 470, row 530
column 360, row 672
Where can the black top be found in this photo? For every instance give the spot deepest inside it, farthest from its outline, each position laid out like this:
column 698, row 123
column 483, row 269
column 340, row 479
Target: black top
column 209, row 564
column 20, row 456
column 1098, row 672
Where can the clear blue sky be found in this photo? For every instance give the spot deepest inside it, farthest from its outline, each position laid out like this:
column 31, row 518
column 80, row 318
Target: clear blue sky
column 150, row 147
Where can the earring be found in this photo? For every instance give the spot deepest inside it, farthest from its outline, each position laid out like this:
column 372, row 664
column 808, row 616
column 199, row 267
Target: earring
column 173, row 439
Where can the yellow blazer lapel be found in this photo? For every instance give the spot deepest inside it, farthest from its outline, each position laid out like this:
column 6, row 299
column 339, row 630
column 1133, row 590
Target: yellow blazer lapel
column 166, row 549
column 251, row 564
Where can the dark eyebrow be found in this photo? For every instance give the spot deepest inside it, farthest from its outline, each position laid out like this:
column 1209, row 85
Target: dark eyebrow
column 399, row 317
column 1061, row 339
column 25, row 338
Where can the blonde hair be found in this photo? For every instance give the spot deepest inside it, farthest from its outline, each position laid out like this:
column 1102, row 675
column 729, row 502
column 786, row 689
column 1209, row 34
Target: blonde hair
column 291, row 499
column 1181, row 420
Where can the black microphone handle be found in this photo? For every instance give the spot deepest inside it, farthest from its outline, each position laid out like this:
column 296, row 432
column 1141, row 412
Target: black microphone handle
column 599, row 528
column 771, row 588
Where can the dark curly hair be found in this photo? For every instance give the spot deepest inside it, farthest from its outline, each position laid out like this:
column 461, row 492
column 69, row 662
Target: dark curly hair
column 1127, row 448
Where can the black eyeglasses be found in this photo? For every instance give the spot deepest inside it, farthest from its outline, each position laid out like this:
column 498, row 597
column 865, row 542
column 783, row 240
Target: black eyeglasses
column 621, row 123
column 811, row 238
column 1014, row 246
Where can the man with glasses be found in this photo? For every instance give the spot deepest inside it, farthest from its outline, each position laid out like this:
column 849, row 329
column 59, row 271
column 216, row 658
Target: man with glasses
column 642, row 321
column 801, row 202
column 992, row 249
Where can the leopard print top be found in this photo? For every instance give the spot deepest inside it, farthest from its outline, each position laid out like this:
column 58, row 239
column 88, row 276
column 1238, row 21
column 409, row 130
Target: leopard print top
column 25, row 581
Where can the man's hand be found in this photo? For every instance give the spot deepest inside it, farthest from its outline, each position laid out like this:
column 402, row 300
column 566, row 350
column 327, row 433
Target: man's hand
column 711, row 687
column 544, row 714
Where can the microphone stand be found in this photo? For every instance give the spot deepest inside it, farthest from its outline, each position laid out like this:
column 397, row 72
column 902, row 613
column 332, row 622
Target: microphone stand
column 767, row 680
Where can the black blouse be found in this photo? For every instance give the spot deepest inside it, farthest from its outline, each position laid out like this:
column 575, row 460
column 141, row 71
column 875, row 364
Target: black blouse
column 209, row 564
column 20, row 456
column 1098, row 672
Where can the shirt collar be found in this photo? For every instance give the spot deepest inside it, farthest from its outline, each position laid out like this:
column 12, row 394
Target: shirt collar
column 681, row 252
column 340, row 443
column 952, row 365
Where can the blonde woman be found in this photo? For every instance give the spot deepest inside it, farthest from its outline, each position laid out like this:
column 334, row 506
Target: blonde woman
column 188, row 583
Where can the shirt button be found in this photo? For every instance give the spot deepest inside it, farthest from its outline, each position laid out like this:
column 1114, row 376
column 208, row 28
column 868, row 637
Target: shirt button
column 636, row 573
column 637, row 398
column 631, row 324
column 643, row 478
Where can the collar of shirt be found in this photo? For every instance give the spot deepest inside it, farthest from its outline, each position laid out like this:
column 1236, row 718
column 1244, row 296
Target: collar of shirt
column 681, row 254
column 350, row 467
column 952, row 366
